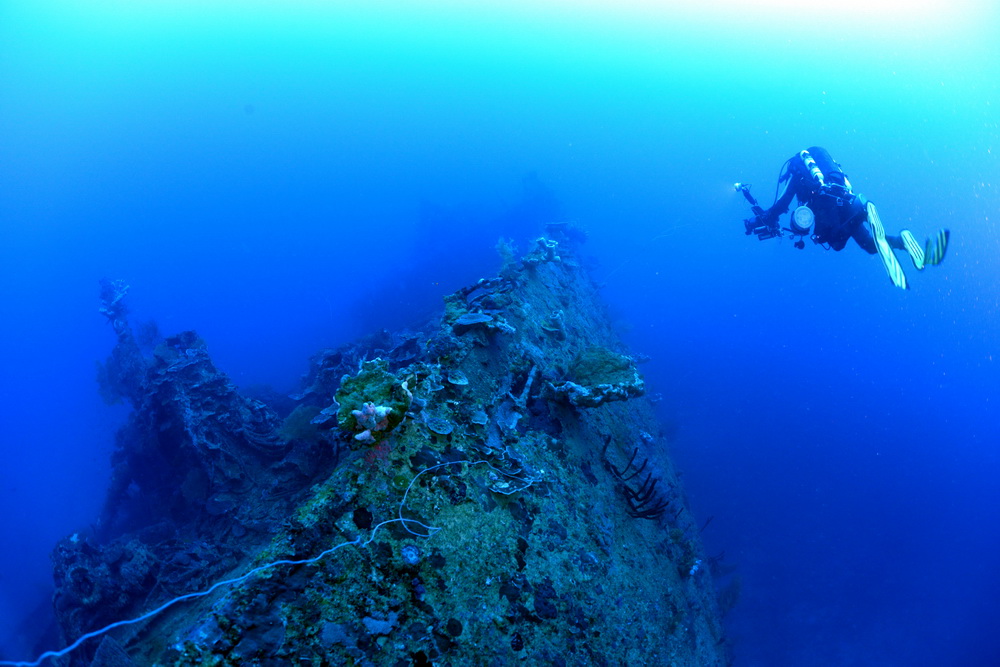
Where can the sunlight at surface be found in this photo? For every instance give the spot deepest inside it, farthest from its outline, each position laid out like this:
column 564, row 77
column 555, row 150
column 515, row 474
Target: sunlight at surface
column 850, row 13
column 737, row 36
column 836, row 30
column 811, row 16
column 893, row 10
column 718, row 42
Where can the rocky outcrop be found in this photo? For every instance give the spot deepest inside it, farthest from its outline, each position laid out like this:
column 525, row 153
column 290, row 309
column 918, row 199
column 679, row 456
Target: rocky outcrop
column 485, row 515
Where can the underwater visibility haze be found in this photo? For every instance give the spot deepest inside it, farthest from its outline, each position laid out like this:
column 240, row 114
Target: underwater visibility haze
column 286, row 178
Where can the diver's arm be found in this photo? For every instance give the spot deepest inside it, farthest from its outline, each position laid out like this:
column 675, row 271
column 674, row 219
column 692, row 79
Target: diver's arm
column 781, row 205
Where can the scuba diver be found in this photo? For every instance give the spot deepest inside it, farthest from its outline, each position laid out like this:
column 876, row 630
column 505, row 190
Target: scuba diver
column 831, row 213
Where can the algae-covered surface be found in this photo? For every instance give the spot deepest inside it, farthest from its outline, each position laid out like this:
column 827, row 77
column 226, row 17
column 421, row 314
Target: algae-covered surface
column 475, row 511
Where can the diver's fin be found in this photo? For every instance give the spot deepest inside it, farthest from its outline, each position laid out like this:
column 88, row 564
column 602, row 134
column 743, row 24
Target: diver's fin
column 913, row 248
column 889, row 260
column 936, row 247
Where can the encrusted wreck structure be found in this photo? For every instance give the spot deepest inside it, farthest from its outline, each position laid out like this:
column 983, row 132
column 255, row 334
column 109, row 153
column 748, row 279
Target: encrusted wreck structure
column 491, row 489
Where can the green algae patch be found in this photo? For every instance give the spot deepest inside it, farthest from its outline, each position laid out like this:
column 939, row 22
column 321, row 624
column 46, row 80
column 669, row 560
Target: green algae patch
column 298, row 425
column 599, row 365
column 373, row 402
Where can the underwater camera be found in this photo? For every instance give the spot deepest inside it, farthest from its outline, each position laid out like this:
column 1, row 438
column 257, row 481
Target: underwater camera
column 758, row 225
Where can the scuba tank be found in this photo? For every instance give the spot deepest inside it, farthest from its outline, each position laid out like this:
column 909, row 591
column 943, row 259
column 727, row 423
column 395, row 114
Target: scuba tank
column 814, row 171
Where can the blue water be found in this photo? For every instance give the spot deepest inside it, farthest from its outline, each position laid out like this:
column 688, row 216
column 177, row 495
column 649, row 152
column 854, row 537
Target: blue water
column 284, row 177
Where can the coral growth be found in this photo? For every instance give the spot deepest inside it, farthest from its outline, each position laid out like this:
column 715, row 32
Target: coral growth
column 598, row 376
column 475, row 523
column 372, row 403
column 372, row 418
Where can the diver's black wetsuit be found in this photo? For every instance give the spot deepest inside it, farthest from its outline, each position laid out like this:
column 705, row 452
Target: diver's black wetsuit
column 837, row 218
column 833, row 213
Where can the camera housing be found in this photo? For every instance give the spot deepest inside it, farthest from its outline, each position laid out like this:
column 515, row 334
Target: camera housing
column 761, row 227
column 759, row 224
